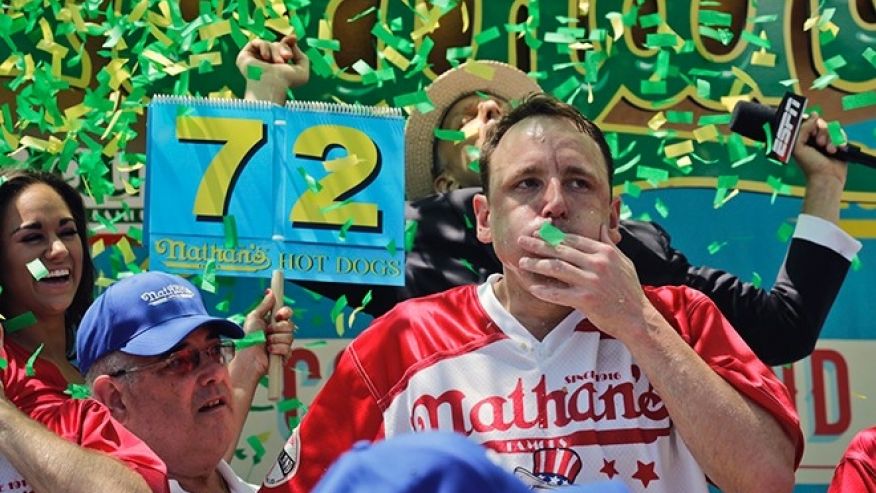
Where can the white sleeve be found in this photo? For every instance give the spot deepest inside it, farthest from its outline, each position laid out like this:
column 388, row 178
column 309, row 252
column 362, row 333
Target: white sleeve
column 826, row 234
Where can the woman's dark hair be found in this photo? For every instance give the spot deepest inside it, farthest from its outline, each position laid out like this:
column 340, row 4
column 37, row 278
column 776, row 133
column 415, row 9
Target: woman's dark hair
column 12, row 183
column 541, row 104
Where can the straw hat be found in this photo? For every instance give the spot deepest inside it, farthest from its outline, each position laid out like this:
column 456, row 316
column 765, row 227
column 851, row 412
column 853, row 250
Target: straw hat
column 507, row 82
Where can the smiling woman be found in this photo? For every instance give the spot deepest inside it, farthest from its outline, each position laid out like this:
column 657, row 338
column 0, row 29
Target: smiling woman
column 46, row 270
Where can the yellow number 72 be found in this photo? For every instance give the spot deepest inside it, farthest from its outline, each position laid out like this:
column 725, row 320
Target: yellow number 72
column 242, row 138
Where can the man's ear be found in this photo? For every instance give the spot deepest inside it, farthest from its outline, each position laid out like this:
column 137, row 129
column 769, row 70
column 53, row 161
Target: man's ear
column 444, row 183
column 482, row 217
column 108, row 391
column 614, row 221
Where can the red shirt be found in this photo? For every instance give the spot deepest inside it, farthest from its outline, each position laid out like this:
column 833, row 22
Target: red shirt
column 85, row 422
column 856, row 472
column 574, row 407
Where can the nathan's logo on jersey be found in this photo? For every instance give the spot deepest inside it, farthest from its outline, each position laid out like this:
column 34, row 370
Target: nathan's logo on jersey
column 167, row 293
column 537, row 407
column 286, row 465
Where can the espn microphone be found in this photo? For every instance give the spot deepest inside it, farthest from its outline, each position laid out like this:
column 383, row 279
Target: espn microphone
column 749, row 118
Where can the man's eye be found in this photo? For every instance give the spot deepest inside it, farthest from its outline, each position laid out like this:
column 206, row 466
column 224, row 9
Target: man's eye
column 579, row 184
column 527, row 184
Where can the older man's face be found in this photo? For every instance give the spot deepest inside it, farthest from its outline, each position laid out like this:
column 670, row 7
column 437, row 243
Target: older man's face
column 471, row 114
column 185, row 418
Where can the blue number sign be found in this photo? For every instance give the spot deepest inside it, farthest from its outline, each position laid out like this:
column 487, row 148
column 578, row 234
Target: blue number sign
column 314, row 189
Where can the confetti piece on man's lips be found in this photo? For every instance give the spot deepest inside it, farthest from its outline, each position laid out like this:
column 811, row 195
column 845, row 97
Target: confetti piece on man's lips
column 551, row 234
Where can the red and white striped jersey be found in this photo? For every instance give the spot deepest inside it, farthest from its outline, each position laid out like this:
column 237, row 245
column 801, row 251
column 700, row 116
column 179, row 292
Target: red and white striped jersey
column 571, row 408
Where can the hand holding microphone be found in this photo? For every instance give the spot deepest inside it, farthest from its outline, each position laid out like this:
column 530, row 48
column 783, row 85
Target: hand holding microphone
column 785, row 122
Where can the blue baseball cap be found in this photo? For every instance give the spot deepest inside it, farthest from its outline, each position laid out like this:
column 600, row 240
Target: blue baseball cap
column 146, row 314
column 430, row 462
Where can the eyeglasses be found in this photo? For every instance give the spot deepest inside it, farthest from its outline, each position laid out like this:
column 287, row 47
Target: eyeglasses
column 186, row 360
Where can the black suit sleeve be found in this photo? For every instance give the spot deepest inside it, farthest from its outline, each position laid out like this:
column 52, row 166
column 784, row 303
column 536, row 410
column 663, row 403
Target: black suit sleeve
column 781, row 325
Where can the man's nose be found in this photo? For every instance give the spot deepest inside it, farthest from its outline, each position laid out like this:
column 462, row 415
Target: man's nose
column 489, row 110
column 211, row 371
column 554, row 200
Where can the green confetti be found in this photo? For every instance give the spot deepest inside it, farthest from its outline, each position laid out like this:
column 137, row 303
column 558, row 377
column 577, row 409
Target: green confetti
column 485, row 37
column 632, row 189
column 650, row 20
column 316, row 344
column 254, row 73
column 667, row 40
column 312, row 183
column 704, row 89
column 653, row 175
column 728, row 181
column 136, row 234
column 764, row 19
column 229, row 229
column 653, row 86
column 335, row 314
column 715, row 18
column 37, row 269
column 257, row 447
column 756, row 280
column 661, row 208
column 411, row 226
column 870, row 55
column 823, row 81
column 256, row 338
column 756, row 40
column 208, row 276
column 359, row 15
column 468, row 265
column 723, row 36
column 20, row 322
column 391, row 247
column 342, row 234
column 567, row 87
column 855, row 101
column 714, row 119
column 418, row 99
column 716, row 246
column 835, row 130
column 856, row 263
column 835, row 62
column 76, row 391
column 679, row 117
column 551, row 234
column 449, row 135
column 28, row 367
column 287, row 405
column 3, row 364
column 784, row 232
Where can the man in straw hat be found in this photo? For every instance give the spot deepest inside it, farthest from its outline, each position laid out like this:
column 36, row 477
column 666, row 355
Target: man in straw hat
column 781, row 325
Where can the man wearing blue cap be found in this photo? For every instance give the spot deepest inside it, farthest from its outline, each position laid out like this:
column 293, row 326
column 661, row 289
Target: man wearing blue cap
column 155, row 357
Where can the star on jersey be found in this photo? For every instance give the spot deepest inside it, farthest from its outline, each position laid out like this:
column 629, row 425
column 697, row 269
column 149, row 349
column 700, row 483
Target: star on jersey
column 608, row 468
column 645, row 473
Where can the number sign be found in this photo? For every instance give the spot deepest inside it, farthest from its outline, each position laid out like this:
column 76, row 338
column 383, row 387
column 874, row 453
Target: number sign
column 246, row 187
